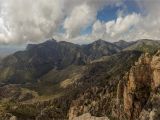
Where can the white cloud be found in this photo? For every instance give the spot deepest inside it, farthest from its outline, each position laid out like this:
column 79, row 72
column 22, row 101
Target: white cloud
column 98, row 27
column 81, row 17
column 115, row 29
column 35, row 20
column 122, row 25
column 30, row 20
column 84, row 14
column 145, row 25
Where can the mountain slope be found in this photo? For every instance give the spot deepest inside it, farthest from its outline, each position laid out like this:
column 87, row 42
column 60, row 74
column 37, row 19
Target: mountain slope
column 145, row 45
column 123, row 44
column 135, row 96
column 56, row 82
column 64, row 86
column 100, row 48
column 100, row 85
column 36, row 60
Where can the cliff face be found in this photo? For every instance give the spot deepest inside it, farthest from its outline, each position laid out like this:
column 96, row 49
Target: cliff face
column 151, row 110
column 137, row 87
column 155, row 64
column 136, row 96
column 141, row 85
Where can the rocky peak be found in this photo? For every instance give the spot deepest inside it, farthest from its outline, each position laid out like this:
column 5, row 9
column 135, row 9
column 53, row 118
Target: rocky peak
column 46, row 43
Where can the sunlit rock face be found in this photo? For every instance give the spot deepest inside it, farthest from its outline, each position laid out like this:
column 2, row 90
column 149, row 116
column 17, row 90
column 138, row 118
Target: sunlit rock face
column 88, row 116
column 155, row 64
column 141, row 88
column 151, row 110
column 137, row 87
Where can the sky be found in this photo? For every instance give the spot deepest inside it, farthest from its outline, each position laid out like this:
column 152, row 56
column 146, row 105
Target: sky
column 78, row 21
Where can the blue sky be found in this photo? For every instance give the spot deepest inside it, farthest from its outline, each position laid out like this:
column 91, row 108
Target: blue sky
column 109, row 13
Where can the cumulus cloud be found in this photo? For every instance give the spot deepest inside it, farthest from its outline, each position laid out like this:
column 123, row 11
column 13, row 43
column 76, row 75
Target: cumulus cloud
column 98, row 27
column 35, row 20
column 116, row 29
column 122, row 25
column 30, row 20
column 84, row 15
column 80, row 18
column 24, row 21
column 134, row 26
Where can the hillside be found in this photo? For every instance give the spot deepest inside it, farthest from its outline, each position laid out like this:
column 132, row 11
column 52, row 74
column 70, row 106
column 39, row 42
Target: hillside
column 123, row 44
column 36, row 60
column 61, row 80
column 67, row 84
column 144, row 45
column 100, row 48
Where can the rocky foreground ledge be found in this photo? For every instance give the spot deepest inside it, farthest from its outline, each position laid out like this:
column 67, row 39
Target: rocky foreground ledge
column 88, row 116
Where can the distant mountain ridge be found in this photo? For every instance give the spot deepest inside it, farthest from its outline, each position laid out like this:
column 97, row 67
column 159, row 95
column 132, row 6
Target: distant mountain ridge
column 39, row 59
column 123, row 44
column 144, row 45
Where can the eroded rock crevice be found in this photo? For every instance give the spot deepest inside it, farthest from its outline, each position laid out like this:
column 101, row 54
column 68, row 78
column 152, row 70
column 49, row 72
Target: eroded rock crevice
column 140, row 87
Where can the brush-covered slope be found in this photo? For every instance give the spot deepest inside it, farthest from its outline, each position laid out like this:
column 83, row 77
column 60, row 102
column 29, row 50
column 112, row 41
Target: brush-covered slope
column 58, row 82
column 82, row 76
column 123, row 44
column 100, row 85
column 100, row 48
column 58, row 88
column 145, row 45
column 36, row 60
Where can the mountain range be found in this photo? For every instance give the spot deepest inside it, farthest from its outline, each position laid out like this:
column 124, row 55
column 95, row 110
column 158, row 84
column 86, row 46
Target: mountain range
column 37, row 60
column 62, row 80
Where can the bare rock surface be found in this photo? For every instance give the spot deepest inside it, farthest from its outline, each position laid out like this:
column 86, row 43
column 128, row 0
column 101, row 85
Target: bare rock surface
column 88, row 116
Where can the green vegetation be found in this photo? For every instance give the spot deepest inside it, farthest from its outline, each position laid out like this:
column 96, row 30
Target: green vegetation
column 148, row 46
column 20, row 110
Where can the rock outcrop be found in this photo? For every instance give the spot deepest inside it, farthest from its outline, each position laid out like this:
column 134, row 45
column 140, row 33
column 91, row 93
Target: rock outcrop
column 155, row 64
column 103, row 99
column 151, row 110
column 88, row 116
column 137, row 87
column 141, row 88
